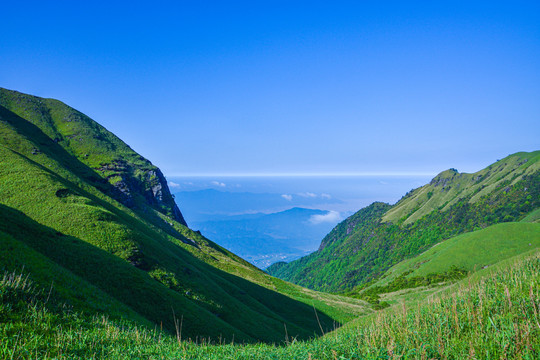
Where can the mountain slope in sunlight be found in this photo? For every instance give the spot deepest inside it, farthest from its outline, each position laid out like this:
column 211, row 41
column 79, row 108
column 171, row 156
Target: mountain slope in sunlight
column 362, row 247
column 93, row 221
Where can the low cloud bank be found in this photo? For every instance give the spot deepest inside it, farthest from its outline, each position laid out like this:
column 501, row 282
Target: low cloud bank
column 330, row 217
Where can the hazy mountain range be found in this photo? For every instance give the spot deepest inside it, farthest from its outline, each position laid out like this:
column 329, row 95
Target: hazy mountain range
column 263, row 239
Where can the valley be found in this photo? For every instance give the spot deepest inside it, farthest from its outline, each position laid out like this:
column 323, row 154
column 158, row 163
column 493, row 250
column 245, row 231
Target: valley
column 100, row 261
column 77, row 201
column 270, row 180
column 266, row 219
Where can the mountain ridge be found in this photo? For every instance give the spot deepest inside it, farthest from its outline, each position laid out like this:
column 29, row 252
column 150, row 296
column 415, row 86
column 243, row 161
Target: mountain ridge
column 130, row 175
column 365, row 245
column 458, row 185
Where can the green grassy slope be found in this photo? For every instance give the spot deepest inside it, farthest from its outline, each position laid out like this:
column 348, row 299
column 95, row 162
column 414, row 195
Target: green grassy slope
column 68, row 222
column 493, row 314
column 80, row 294
column 533, row 216
column 450, row 186
column 361, row 248
column 97, row 154
column 449, row 261
column 471, row 252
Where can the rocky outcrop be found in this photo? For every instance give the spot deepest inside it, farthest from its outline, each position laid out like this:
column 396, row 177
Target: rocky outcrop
column 123, row 193
column 445, row 178
column 157, row 193
column 96, row 154
column 130, row 182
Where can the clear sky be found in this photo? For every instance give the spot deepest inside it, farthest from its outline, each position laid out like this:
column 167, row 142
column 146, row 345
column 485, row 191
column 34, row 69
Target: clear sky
column 227, row 87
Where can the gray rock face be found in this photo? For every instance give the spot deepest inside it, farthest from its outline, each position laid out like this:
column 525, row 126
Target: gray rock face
column 159, row 194
column 152, row 185
column 124, row 193
column 156, row 181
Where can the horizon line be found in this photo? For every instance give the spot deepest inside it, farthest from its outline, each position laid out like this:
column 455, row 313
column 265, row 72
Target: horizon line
column 334, row 174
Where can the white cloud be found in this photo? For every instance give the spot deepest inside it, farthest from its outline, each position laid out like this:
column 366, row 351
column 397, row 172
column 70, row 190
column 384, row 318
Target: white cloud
column 311, row 195
column 173, row 184
column 287, row 197
column 217, row 183
column 307, row 195
column 330, row 217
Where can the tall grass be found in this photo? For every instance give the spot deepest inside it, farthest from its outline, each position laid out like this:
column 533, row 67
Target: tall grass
column 493, row 314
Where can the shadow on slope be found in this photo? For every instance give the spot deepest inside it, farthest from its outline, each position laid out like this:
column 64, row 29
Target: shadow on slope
column 136, row 289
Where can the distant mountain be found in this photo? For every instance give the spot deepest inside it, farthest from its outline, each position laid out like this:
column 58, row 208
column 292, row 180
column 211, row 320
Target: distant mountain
column 362, row 247
column 92, row 221
column 264, row 239
column 211, row 204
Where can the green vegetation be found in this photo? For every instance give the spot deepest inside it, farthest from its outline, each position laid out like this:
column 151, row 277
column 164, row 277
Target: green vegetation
column 361, row 248
column 372, row 293
column 493, row 314
column 87, row 149
column 534, row 216
column 450, row 187
column 96, row 261
column 470, row 252
column 103, row 234
column 449, row 261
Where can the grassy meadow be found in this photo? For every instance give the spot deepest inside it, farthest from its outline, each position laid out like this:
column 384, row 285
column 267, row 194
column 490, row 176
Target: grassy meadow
column 470, row 251
column 493, row 314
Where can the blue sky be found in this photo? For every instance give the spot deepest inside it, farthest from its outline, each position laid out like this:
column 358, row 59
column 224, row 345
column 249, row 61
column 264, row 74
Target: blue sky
column 289, row 87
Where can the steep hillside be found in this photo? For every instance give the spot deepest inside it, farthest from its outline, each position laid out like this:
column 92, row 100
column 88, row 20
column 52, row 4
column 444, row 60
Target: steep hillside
column 85, row 216
column 470, row 251
column 369, row 242
column 97, row 155
column 450, row 187
column 450, row 260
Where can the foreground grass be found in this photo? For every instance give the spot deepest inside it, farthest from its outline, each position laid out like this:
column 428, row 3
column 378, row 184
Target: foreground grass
column 492, row 315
